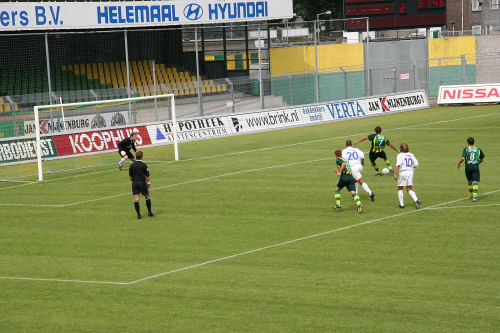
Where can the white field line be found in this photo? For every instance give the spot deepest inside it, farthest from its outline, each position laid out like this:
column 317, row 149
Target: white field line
column 172, row 185
column 453, row 128
column 62, row 280
column 246, row 252
column 266, row 148
column 468, row 206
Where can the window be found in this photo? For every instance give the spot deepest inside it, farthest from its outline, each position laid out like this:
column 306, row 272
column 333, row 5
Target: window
column 494, row 4
column 476, row 29
column 476, row 5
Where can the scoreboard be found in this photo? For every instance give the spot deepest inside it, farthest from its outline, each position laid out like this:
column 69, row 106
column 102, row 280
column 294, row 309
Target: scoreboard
column 390, row 14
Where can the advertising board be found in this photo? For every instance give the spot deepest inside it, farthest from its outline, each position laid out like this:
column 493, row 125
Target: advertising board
column 78, row 123
column 126, row 14
column 472, row 93
column 18, row 150
column 98, row 141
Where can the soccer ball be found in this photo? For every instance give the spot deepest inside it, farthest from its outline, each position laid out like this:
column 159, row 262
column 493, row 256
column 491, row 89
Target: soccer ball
column 385, row 171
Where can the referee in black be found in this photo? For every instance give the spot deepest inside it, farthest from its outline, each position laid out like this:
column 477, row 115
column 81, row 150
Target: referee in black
column 124, row 148
column 139, row 176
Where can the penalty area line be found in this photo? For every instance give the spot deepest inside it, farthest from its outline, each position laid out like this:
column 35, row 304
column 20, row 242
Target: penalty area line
column 242, row 253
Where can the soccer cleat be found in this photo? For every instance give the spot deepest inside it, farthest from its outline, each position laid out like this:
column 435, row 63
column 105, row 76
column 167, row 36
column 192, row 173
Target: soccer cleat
column 139, row 217
column 119, row 166
column 391, row 170
column 151, row 214
column 417, row 204
column 360, row 209
column 471, row 197
column 399, row 206
column 336, row 207
column 372, row 196
column 474, row 199
column 378, row 174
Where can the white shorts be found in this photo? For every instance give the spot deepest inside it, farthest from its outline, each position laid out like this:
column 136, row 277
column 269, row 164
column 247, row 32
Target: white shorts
column 356, row 171
column 405, row 178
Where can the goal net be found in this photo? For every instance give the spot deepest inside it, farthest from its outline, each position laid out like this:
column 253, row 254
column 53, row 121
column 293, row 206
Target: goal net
column 74, row 136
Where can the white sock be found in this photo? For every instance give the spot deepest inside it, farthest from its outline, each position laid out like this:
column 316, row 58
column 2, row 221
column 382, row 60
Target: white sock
column 400, row 196
column 356, row 184
column 413, row 195
column 366, row 188
column 122, row 160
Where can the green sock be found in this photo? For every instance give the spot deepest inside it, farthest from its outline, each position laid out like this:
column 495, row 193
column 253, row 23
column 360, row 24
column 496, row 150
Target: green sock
column 337, row 198
column 374, row 165
column 469, row 185
column 355, row 197
column 475, row 188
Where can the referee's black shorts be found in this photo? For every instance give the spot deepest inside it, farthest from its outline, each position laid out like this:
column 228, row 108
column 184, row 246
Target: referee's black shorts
column 140, row 187
column 129, row 154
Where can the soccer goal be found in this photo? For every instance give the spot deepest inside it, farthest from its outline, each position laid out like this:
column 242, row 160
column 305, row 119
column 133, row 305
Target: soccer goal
column 81, row 135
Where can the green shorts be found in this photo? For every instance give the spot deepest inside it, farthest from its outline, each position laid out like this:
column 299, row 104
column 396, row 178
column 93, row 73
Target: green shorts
column 373, row 156
column 346, row 181
column 472, row 172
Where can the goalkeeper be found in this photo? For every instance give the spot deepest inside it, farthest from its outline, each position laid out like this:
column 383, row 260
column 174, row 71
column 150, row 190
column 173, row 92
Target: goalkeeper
column 124, row 148
column 139, row 176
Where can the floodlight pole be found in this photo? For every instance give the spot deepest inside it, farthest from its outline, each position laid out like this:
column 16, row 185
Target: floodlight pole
column 48, row 73
column 368, row 73
column 200, row 101
column 128, row 77
column 316, row 41
column 316, row 61
column 261, row 90
column 462, row 31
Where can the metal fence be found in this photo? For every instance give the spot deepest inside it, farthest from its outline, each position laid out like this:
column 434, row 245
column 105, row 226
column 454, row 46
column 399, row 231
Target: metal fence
column 98, row 65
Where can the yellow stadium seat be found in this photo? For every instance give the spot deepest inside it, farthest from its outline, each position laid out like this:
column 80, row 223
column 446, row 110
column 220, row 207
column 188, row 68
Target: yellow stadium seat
column 1, row 108
column 7, row 108
column 224, row 88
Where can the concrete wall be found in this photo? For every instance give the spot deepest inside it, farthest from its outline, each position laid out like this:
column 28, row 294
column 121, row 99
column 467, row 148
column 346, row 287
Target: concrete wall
column 488, row 65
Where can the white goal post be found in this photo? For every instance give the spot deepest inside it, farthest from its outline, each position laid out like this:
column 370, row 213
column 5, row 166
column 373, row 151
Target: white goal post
column 134, row 112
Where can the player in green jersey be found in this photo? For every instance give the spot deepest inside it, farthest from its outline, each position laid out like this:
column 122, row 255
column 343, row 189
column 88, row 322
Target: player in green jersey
column 472, row 156
column 377, row 150
column 346, row 180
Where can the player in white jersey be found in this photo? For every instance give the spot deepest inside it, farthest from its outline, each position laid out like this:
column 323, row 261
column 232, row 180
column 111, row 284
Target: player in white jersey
column 356, row 159
column 406, row 163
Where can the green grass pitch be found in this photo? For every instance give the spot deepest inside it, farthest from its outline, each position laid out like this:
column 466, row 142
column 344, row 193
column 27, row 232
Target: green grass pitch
column 245, row 238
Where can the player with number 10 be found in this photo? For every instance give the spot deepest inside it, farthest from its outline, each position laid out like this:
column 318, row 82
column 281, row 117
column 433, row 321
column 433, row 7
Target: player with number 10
column 405, row 165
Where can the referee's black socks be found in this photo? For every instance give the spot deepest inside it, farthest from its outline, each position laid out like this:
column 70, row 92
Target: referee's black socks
column 148, row 204
column 137, row 208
